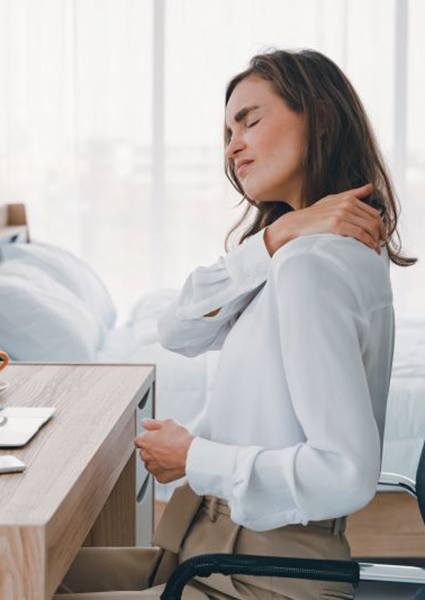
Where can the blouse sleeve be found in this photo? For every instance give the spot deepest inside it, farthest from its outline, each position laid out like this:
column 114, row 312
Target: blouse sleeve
column 229, row 284
column 323, row 328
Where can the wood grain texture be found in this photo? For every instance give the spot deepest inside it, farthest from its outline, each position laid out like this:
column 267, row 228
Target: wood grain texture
column 16, row 214
column 116, row 523
column 74, row 461
column 13, row 222
column 22, row 560
column 390, row 525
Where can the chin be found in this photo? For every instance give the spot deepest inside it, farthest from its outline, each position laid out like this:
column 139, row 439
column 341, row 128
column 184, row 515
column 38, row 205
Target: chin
column 261, row 194
column 256, row 194
column 262, row 197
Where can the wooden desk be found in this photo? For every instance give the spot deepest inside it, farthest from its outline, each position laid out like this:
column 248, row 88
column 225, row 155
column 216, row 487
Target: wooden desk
column 80, row 481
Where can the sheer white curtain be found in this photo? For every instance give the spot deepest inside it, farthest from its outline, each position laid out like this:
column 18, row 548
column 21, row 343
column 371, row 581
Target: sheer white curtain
column 76, row 130
column 111, row 119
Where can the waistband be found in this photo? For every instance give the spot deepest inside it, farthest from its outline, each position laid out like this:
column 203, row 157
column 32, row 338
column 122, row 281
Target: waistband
column 215, row 506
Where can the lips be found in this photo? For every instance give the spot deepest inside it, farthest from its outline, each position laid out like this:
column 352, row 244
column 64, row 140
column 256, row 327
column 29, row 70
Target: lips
column 242, row 166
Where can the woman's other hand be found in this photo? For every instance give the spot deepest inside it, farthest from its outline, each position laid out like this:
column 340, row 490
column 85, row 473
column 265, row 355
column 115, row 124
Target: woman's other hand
column 164, row 447
column 344, row 213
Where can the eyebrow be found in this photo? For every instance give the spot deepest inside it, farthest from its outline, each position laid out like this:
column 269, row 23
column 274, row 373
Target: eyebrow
column 241, row 114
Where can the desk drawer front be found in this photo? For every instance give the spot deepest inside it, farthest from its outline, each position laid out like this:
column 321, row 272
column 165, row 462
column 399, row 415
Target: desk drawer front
column 144, row 509
column 144, row 480
column 145, row 409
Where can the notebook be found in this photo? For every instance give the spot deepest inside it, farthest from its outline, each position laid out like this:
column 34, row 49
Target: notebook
column 18, row 424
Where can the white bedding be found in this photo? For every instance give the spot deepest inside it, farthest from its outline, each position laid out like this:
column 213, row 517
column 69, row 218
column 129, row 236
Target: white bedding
column 180, row 381
column 405, row 423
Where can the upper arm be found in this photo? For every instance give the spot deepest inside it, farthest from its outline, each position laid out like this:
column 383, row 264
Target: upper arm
column 323, row 328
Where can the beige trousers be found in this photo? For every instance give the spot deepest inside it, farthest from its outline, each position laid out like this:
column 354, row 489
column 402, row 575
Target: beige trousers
column 193, row 525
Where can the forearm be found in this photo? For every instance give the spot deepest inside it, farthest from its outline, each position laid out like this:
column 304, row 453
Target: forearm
column 269, row 488
column 274, row 238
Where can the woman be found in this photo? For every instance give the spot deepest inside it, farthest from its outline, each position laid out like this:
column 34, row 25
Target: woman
column 291, row 440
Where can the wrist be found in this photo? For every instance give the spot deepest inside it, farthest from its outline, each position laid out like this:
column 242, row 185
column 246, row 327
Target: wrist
column 278, row 234
column 188, row 444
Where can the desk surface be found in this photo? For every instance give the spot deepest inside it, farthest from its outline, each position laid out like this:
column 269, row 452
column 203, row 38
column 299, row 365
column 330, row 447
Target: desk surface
column 73, row 463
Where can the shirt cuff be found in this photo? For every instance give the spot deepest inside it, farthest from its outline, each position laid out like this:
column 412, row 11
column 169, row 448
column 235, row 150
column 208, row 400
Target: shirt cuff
column 210, row 466
column 250, row 261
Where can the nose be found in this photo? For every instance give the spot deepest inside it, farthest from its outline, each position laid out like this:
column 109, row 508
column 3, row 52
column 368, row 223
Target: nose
column 235, row 145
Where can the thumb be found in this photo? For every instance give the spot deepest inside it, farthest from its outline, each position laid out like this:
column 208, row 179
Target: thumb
column 151, row 424
column 363, row 191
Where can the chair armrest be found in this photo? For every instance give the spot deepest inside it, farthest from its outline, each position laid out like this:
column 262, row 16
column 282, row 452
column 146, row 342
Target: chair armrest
column 393, row 481
column 248, row 564
column 391, row 573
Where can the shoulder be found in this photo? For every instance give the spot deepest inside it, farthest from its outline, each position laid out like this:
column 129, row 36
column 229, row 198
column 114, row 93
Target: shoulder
column 327, row 260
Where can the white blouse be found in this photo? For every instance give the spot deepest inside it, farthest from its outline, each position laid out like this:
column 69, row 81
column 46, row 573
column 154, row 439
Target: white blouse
column 293, row 429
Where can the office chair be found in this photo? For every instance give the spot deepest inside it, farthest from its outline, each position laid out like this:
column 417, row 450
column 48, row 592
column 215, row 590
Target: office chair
column 370, row 580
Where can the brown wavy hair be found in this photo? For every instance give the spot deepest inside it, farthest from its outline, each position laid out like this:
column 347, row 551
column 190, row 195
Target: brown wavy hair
column 341, row 151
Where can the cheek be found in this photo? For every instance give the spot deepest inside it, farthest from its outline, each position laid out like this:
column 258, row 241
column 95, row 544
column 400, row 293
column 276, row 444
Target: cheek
column 287, row 156
column 288, row 143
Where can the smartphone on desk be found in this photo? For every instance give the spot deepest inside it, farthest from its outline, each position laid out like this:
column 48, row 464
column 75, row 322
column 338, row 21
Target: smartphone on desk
column 11, row 464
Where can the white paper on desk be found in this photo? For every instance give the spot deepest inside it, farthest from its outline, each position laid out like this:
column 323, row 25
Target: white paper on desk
column 22, row 423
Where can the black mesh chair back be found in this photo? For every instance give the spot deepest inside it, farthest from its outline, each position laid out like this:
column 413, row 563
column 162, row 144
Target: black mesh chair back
column 420, row 483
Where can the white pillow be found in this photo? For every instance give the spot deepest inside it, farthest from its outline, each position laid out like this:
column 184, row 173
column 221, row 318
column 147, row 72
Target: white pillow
column 152, row 304
column 41, row 320
column 70, row 271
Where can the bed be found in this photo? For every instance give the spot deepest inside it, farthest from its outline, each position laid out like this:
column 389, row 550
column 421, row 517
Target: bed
column 71, row 317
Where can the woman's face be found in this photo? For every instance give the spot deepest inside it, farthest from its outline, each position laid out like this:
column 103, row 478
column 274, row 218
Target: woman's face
column 272, row 136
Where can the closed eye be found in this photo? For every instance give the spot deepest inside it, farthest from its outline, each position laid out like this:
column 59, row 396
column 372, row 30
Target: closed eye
column 230, row 133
